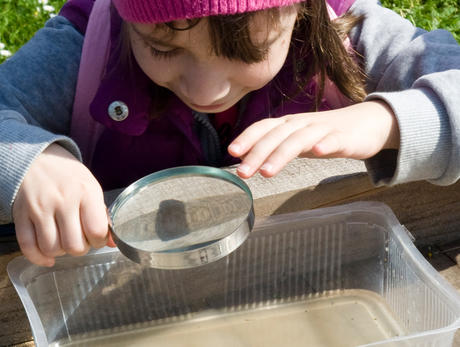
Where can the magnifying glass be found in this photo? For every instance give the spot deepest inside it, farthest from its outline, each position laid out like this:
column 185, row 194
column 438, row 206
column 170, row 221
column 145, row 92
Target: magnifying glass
column 182, row 217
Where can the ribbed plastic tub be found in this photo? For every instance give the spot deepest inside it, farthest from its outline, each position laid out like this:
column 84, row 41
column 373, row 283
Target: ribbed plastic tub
column 341, row 276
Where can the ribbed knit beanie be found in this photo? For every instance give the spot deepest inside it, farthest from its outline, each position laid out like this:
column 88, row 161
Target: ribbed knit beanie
column 158, row 11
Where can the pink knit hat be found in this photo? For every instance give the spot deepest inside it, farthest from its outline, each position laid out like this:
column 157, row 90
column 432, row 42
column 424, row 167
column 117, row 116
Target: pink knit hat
column 156, row 11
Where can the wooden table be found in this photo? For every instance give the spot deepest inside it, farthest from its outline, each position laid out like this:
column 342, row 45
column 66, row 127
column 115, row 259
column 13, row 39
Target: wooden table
column 431, row 213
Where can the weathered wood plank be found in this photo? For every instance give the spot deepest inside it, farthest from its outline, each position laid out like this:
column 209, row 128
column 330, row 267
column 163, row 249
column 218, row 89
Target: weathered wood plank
column 24, row 344
column 431, row 213
column 14, row 325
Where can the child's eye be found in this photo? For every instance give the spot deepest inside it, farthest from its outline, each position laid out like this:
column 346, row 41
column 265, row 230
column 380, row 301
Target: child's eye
column 163, row 54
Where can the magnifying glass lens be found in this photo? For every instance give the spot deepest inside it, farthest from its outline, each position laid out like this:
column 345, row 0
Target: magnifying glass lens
column 180, row 211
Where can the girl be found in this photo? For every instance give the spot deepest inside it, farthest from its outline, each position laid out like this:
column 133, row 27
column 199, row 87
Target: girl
column 134, row 86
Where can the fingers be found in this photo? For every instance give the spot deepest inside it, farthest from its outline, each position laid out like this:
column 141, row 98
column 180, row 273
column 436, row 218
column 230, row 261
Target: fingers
column 249, row 137
column 71, row 231
column 42, row 239
column 110, row 242
column 26, row 236
column 59, row 208
column 94, row 221
column 48, row 239
column 329, row 146
column 259, row 141
column 299, row 142
column 73, row 239
column 269, row 146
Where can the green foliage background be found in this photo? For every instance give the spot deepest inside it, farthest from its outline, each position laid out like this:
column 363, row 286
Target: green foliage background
column 429, row 14
column 20, row 19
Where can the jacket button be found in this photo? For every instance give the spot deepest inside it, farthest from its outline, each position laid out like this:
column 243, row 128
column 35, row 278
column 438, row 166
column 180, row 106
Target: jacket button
column 118, row 111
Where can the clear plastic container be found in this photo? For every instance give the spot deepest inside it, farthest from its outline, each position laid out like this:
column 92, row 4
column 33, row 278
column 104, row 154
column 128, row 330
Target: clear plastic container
column 326, row 277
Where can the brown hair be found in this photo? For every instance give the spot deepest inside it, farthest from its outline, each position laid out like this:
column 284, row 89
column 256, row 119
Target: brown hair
column 315, row 39
column 321, row 40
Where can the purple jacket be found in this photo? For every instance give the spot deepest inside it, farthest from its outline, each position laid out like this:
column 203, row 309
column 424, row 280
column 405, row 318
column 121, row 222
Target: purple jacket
column 138, row 145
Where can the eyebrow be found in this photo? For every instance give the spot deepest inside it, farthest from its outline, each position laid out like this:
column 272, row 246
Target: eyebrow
column 170, row 36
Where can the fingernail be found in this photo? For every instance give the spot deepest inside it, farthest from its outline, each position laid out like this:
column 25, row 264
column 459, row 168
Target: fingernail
column 235, row 148
column 267, row 167
column 244, row 169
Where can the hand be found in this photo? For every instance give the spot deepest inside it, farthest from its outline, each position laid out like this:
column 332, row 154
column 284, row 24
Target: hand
column 359, row 131
column 59, row 208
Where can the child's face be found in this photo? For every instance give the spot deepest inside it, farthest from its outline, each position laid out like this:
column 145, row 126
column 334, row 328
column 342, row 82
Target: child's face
column 206, row 82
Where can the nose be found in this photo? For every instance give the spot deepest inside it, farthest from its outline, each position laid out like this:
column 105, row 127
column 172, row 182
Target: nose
column 205, row 84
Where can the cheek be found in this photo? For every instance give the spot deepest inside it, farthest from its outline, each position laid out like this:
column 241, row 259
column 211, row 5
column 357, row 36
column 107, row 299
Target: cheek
column 257, row 75
column 278, row 53
column 160, row 71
